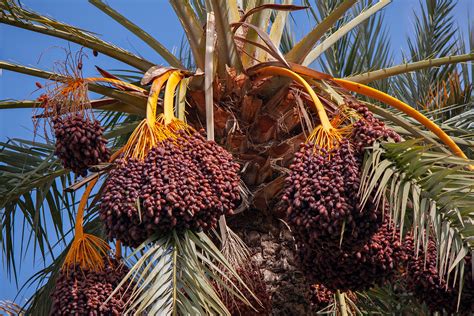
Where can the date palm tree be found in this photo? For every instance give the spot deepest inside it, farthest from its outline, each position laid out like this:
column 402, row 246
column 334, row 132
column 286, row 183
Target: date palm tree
column 250, row 80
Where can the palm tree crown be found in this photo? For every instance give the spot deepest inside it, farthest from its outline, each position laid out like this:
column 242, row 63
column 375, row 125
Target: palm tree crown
column 251, row 172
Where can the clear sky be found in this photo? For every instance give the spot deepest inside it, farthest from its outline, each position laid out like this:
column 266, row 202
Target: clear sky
column 157, row 18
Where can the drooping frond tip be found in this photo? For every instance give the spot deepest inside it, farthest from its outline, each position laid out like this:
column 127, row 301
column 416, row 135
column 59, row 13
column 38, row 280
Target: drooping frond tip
column 405, row 108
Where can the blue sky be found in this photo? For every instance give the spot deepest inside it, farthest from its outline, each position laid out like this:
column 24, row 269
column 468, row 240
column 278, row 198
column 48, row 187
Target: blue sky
column 157, row 18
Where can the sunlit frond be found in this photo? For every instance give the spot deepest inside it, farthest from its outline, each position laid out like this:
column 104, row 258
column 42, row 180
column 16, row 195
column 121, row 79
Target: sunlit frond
column 176, row 275
column 430, row 193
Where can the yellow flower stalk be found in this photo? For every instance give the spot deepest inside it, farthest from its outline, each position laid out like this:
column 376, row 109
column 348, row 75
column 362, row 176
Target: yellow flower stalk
column 153, row 97
column 326, row 135
column 405, row 108
column 170, row 120
column 153, row 130
column 168, row 101
column 87, row 251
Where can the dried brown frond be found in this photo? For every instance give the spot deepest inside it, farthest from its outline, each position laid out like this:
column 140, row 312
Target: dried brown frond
column 10, row 308
column 447, row 93
column 67, row 94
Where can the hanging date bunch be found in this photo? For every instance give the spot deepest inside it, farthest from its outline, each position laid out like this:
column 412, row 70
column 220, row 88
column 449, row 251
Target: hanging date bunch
column 376, row 262
column 169, row 177
column 88, row 279
column 79, row 140
column 423, row 279
column 323, row 187
column 91, row 292
column 323, row 201
column 367, row 129
column 321, row 193
column 321, row 297
column 338, row 237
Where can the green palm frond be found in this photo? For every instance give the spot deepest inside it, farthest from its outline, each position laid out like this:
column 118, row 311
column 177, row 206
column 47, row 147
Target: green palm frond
column 185, row 55
column 373, row 41
column 363, row 16
column 434, row 36
column 407, row 127
column 365, row 48
column 409, row 67
column 31, row 200
column 456, row 120
column 175, row 276
column 464, row 120
column 119, row 126
column 330, row 14
column 434, row 186
column 391, row 299
column 12, row 13
column 287, row 42
column 199, row 7
column 279, row 28
column 192, row 28
column 258, row 20
column 26, row 165
column 468, row 70
column 140, row 33
column 226, row 50
column 19, row 104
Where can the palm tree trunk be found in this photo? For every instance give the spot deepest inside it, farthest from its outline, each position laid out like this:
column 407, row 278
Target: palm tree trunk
column 273, row 250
